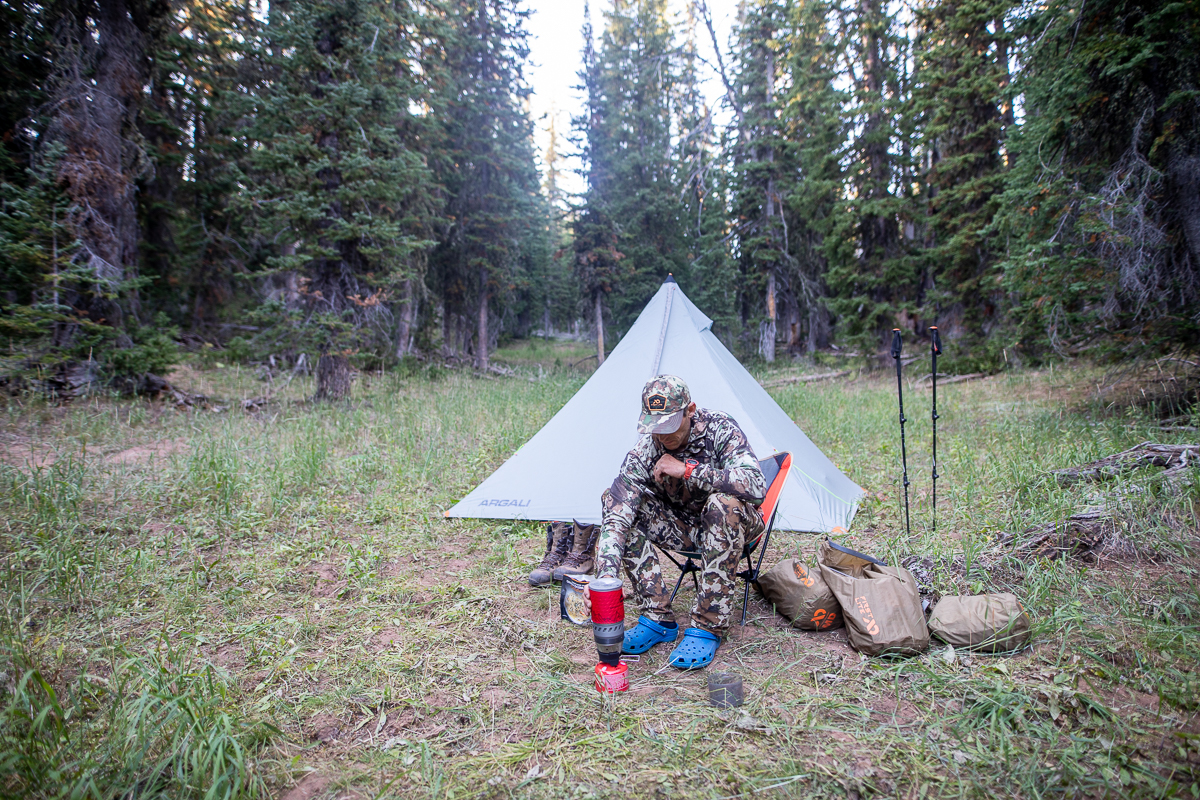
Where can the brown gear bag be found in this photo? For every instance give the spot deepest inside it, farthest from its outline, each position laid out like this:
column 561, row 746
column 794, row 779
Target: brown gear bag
column 992, row 623
column 881, row 604
column 800, row 594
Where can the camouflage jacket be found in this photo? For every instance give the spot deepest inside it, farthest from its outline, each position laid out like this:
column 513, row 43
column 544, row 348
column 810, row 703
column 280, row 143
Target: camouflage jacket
column 726, row 465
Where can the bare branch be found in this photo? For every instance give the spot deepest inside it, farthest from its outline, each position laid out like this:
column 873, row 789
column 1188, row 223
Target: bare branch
column 702, row 7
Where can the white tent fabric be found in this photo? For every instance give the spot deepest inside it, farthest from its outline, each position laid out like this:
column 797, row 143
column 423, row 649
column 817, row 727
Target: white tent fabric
column 561, row 472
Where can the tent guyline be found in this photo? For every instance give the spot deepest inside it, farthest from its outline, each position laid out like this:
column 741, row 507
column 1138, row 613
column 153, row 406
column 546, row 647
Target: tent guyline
column 561, row 472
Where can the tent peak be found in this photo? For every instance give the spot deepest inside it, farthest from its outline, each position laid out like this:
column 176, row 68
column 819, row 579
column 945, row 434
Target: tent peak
column 670, row 278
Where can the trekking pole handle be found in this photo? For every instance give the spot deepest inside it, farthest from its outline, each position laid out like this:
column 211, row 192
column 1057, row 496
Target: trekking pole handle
column 937, row 340
column 897, row 343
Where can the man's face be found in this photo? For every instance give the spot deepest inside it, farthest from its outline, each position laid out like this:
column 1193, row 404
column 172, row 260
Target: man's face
column 673, row 441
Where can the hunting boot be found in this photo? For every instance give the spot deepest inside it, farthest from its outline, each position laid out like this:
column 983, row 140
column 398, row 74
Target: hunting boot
column 560, row 536
column 583, row 555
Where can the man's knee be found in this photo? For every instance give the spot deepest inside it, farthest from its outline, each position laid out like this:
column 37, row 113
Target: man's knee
column 725, row 510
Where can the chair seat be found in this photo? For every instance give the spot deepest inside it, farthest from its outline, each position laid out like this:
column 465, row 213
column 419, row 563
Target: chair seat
column 747, row 548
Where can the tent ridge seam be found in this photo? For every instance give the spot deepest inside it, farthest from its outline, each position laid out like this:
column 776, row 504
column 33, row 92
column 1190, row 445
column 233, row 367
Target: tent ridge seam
column 662, row 334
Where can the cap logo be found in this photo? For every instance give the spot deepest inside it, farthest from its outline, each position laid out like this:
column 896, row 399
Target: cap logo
column 656, row 402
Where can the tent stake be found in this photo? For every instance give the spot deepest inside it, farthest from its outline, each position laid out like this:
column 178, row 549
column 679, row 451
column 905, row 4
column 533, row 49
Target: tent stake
column 935, row 350
column 897, row 344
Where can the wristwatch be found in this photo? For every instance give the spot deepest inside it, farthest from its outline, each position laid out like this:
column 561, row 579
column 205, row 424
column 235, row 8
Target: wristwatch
column 689, row 465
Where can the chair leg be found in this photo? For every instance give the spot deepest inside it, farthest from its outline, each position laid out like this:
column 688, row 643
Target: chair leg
column 752, row 569
column 677, row 583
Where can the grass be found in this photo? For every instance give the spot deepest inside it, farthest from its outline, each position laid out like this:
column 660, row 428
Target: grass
column 226, row 604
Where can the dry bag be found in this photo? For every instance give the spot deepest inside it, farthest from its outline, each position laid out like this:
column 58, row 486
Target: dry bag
column 881, row 604
column 799, row 593
column 993, row 623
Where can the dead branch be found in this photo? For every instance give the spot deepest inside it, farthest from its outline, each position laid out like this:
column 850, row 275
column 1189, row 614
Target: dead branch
column 947, row 379
column 824, row 376
column 960, row 378
column 730, row 95
column 1175, row 457
column 1087, row 536
column 160, row 388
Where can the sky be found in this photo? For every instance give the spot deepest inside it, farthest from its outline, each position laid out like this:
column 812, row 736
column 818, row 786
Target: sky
column 555, row 55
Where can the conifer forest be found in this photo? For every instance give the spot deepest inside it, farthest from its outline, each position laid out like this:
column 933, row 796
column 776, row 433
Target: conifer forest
column 358, row 181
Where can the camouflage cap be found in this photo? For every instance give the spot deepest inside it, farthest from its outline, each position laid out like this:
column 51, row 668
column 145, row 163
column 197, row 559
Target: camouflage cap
column 665, row 399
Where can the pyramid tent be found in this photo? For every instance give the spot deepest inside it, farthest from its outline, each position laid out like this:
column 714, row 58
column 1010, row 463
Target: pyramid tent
column 561, row 472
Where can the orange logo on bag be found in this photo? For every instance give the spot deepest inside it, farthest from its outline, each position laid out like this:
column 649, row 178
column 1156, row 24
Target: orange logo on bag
column 822, row 619
column 802, row 575
column 864, row 611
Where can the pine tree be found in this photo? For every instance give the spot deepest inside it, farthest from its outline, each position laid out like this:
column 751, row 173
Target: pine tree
column 497, row 230
column 556, row 291
column 816, row 132
column 102, row 59
column 868, row 278
column 710, row 277
column 1101, row 211
column 959, row 99
column 597, row 261
column 631, row 214
column 335, row 188
column 760, row 169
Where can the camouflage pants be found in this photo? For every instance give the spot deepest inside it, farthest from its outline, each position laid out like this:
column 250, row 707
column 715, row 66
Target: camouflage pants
column 717, row 534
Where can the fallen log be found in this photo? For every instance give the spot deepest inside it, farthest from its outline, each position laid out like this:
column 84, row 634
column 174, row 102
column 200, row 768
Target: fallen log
column 824, row 376
column 952, row 378
column 1176, row 458
column 160, row 388
column 1088, row 535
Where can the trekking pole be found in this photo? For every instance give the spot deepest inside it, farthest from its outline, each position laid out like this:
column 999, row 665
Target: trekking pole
column 935, row 350
column 897, row 344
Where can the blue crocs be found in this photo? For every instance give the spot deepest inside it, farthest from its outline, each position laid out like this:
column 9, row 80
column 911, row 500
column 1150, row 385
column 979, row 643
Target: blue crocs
column 646, row 634
column 696, row 651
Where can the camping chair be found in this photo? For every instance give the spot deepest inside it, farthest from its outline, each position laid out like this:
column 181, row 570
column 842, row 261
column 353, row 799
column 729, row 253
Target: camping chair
column 775, row 471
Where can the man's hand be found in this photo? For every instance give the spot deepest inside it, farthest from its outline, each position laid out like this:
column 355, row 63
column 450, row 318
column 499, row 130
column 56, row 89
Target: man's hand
column 668, row 465
column 587, row 599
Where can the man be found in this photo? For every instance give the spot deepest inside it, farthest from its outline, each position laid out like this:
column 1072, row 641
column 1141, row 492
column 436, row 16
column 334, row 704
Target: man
column 691, row 483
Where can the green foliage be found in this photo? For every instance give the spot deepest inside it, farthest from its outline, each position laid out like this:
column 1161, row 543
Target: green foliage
column 1099, row 208
column 630, row 235
column 359, row 178
column 157, row 726
column 154, row 350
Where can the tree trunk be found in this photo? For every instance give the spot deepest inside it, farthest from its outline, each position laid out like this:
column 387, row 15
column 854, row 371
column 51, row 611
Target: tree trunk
column 767, row 335
column 404, row 327
column 333, row 377
column 599, row 327
column 101, row 73
column 447, row 330
column 481, row 354
column 546, row 320
column 766, row 341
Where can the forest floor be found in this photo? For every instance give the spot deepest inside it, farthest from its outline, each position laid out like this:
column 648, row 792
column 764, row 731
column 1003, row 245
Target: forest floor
column 271, row 603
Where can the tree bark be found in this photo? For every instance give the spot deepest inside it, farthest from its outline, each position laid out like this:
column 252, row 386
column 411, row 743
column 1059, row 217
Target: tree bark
column 769, row 329
column 404, row 326
column 599, row 327
column 766, row 341
column 101, row 70
column 481, row 354
column 333, row 377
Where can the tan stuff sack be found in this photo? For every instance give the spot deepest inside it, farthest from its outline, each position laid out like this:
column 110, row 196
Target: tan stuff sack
column 799, row 593
column 993, row 623
column 881, row 604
